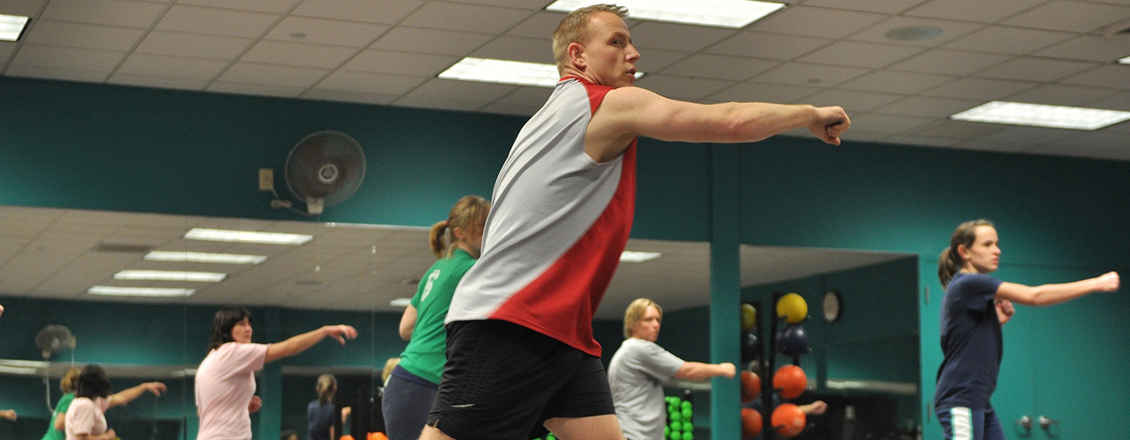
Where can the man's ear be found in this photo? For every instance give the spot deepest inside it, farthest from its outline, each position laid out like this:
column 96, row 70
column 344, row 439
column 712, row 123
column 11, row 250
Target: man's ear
column 575, row 52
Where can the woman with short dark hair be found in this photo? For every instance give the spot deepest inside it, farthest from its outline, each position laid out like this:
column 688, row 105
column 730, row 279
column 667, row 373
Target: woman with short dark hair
column 85, row 419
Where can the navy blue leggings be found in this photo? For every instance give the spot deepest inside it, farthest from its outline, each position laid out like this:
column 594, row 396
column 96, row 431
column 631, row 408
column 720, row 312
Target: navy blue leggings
column 966, row 424
column 405, row 404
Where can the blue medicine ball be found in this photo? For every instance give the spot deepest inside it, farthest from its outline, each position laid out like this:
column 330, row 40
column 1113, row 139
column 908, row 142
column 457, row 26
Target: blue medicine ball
column 792, row 341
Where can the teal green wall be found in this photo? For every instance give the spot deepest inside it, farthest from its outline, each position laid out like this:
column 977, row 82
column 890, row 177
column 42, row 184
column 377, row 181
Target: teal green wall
column 87, row 146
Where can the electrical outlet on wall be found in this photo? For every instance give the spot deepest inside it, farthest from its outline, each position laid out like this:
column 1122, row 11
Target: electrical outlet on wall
column 266, row 179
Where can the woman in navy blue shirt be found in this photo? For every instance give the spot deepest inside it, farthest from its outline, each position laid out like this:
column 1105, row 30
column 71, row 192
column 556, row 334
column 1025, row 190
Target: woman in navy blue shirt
column 973, row 310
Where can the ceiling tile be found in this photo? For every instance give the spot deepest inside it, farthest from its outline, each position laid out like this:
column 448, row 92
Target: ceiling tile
column 682, row 87
column 464, row 90
column 1061, row 94
column 531, row 50
column 958, row 130
column 369, row 11
column 885, row 6
column 326, row 31
column 532, row 5
column 170, row 66
column 654, row 60
column 919, row 140
column 762, row 92
column 84, row 35
column 1071, row 16
column 719, row 67
column 1090, row 48
column 928, row 106
column 160, row 82
column 878, row 123
column 851, row 100
column 60, row 73
column 1097, row 144
column 430, row 102
column 464, row 17
column 194, row 19
column 1034, row 69
column 67, row 58
column 896, row 82
column 364, row 82
column 27, row 8
column 540, row 25
column 977, row 10
column 522, row 102
column 194, row 45
column 984, row 89
column 949, row 31
column 851, row 53
column 1104, row 76
column 1119, row 101
column 106, row 12
column 272, row 75
column 767, row 45
column 434, row 41
column 1007, row 40
column 403, row 63
column 810, row 74
column 816, row 22
column 951, row 62
column 347, row 96
column 274, row 6
column 1018, row 138
column 298, row 54
column 675, row 36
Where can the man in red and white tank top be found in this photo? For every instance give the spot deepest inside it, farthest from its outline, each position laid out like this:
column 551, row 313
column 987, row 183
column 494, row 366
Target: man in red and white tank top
column 521, row 355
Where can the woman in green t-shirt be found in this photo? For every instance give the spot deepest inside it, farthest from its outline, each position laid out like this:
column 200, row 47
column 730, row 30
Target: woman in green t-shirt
column 411, row 388
column 55, row 429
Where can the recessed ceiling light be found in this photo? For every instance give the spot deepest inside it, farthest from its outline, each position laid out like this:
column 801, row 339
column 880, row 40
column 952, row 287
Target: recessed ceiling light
column 638, row 257
column 247, row 236
column 505, row 72
column 722, row 13
column 170, row 275
column 1039, row 115
column 400, row 302
column 140, row 291
column 204, row 257
column 11, row 26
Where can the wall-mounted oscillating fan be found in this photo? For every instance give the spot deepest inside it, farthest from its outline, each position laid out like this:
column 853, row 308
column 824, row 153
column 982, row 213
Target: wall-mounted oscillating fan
column 323, row 169
column 53, row 339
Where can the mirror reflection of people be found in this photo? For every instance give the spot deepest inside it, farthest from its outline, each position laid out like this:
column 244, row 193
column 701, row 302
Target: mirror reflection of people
column 57, row 425
column 225, row 380
column 288, row 434
column 974, row 308
column 561, row 214
column 639, row 368
column 320, row 411
column 85, row 418
column 411, row 387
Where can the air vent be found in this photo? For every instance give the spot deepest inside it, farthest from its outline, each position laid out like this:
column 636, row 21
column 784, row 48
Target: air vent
column 123, row 248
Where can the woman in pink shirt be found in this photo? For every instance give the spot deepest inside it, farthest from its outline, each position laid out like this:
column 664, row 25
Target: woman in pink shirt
column 85, row 419
column 225, row 380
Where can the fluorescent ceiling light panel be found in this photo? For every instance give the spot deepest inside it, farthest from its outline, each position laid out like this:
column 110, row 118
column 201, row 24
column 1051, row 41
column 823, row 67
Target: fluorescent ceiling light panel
column 1039, row 115
column 247, row 236
column 722, row 13
column 170, row 275
column 140, row 291
column 204, row 257
column 1124, row 60
column 22, row 371
column 505, row 72
column 638, row 257
column 11, row 26
column 400, row 302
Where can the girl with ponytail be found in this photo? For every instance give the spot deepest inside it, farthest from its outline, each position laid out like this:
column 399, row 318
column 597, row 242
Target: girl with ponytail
column 411, row 388
column 320, row 412
column 974, row 308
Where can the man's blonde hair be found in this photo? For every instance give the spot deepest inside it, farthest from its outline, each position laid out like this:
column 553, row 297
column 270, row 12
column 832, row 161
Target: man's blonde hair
column 575, row 29
column 635, row 311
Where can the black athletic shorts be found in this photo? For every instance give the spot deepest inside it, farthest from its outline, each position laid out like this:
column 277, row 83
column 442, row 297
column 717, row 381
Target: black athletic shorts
column 503, row 381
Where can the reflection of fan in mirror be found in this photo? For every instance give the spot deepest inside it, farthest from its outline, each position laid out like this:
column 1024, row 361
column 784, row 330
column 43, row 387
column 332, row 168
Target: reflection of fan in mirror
column 324, row 169
column 53, row 339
